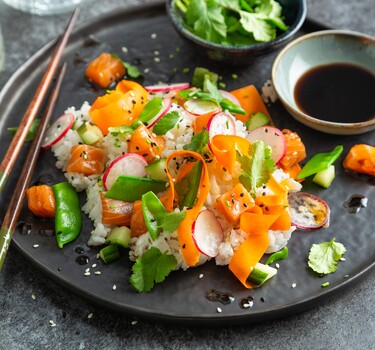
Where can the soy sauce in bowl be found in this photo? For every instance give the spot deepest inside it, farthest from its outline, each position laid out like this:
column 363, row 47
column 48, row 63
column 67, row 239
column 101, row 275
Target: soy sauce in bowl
column 337, row 92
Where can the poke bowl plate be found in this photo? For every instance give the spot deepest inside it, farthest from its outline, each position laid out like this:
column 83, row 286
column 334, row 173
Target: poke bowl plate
column 162, row 54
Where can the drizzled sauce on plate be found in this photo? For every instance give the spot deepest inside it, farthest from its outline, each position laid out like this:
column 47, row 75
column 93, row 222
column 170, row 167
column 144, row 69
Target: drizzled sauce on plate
column 337, row 92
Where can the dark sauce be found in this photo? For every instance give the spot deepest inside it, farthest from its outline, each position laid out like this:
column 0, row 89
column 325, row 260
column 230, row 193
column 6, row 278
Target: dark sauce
column 369, row 179
column 337, row 92
column 355, row 203
column 222, row 297
column 247, row 303
column 82, row 260
column 79, row 250
column 24, row 228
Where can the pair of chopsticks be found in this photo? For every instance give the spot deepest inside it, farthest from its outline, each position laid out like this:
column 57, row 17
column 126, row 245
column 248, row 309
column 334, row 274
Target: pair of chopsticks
column 14, row 209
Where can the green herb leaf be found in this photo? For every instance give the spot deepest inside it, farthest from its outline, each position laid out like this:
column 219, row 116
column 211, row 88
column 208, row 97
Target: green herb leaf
column 132, row 71
column 206, row 19
column 257, row 25
column 153, row 267
column 171, row 221
column 198, row 142
column 323, row 257
column 166, row 123
column 257, row 167
column 280, row 255
column 32, row 131
column 123, row 130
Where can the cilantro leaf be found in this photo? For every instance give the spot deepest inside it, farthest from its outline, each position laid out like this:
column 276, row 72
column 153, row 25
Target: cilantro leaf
column 153, row 267
column 323, row 257
column 255, row 23
column 170, row 221
column 257, row 167
column 166, row 123
column 206, row 19
column 132, row 71
column 198, row 142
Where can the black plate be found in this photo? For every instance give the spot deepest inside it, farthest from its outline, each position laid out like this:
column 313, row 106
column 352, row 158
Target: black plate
column 181, row 298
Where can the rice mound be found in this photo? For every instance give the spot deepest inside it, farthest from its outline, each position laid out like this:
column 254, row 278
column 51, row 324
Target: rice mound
column 220, row 182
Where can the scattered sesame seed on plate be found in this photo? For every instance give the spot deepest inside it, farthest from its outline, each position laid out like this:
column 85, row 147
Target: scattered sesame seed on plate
column 90, row 315
column 33, row 296
column 87, row 270
column 277, row 265
column 201, row 275
column 97, row 273
column 146, row 70
column 219, row 310
column 87, row 274
column 342, row 259
column 93, row 265
column 114, row 287
column 35, row 245
column 134, row 322
column 52, row 323
column 124, row 49
column 294, row 285
column 154, row 36
column 157, row 59
column 156, row 53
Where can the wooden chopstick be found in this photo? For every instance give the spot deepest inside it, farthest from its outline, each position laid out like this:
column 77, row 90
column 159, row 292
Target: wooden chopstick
column 15, row 146
column 15, row 205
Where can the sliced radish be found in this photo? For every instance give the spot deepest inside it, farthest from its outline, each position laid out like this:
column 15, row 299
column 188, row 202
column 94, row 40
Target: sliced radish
column 230, row 97
column 207, row 233
column 199, row 107
column 167, row 87
column 308, row 211
column 167, row 94
column 221, row 124
column 128, row 164
column 272, row 137
column 166, row 105
column 58, row 130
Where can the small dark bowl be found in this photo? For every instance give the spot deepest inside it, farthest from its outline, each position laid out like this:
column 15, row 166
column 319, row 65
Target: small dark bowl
column 294, row 12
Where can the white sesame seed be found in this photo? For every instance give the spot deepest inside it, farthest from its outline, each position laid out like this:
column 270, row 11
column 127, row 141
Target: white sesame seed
column 277, row 265
column 156, row 53
column 124, row 49
column 146, row 70
column 33, row 296
column 156, row 59
column 35, row 246
column 294, row 285
column 201, row 275
column 98, row 256
column 93, row 265
column 98, row 273
column 231, row 299
column 52, row 323
column 219, row 310
column 90, row 315
column 114, row 287
column 246, row 305
column 87, row 270
column 342, row 259
column 87, row 274
column 154, row 36
column 134, row 322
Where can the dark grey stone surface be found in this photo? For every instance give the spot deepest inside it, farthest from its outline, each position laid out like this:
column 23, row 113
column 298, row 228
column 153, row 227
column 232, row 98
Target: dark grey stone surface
column 347, row 321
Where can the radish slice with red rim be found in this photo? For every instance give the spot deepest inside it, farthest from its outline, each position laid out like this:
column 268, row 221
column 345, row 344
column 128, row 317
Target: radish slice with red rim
column 167, row 87
column 308, row 211
column 130, row 164
column 230, row 97
column 58, row 130
column 221, row 124
column 166, row 105
column 272, row 137
column 199, row 107
column 207, row 233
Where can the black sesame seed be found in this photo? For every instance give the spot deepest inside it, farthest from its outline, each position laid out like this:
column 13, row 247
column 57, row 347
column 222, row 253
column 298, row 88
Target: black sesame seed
column 262, row 299
column 242, row 194
column 183, row 246
column 245, row 205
